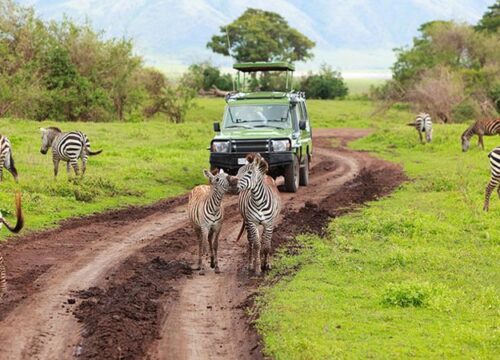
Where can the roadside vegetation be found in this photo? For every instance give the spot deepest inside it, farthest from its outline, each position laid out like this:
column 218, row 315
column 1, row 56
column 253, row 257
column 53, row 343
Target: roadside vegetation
column 411, row 275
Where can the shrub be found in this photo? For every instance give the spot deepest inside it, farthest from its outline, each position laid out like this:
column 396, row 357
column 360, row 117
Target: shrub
column 407, row 294
column 328, row 84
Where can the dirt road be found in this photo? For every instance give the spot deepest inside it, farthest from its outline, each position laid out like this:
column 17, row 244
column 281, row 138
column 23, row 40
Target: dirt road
column 120, row 285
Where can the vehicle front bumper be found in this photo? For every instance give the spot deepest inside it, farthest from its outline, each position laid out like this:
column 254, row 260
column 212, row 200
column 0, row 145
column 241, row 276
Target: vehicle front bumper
column 229, row 161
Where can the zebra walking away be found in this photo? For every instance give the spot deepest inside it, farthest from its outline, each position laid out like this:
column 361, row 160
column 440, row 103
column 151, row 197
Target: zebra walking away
column 494, row 156
column 15, row 229
column 69, row 147
column 6, row 159
column 206, row 215
column 260, row 204
column 423, row 124
column 480, row 128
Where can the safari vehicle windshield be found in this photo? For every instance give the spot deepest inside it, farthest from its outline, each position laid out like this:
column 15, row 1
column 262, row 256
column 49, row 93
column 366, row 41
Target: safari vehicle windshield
column 257, row 116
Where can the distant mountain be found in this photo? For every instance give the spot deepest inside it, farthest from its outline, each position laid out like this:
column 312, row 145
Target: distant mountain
column 352, row 35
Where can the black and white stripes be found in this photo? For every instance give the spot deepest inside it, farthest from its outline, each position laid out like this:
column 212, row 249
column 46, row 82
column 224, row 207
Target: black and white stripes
column 68, row 147
column 494, row 182
column 6, row 159
column 260, row 204
column 423, row 124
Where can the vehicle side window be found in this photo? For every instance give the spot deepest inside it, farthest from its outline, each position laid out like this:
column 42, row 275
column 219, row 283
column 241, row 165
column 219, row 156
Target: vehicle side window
column 294, row 111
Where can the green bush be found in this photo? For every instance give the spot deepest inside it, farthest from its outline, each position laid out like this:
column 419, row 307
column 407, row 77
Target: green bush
column 328, row 84
column 407, row 294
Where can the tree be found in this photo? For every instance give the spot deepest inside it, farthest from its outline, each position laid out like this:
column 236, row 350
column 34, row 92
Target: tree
column 491, row 19
column 328, row 84
column 260, row 35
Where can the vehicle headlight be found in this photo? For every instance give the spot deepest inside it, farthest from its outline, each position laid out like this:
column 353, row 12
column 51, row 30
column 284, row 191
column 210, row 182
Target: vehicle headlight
column 281, row 145
column 220, row 146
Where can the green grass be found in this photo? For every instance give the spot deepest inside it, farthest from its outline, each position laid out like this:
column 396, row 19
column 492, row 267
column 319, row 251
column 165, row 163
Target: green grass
column 415, row 275
column 141, row 163
column 361, row 86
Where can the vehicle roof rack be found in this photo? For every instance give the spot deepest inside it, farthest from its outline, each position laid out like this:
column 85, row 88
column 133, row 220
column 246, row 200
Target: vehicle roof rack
column 264, row 66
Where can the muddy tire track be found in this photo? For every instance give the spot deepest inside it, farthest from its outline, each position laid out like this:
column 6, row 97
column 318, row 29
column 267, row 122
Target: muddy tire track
column 119, row 284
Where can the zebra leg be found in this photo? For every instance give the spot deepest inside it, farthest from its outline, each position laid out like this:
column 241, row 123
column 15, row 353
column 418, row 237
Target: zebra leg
column 251, row 231
column 210, row 246
column 266, row 244
column 480, row 141
column 3, row 278
column 56, row 166
column 84, row 164
column 420, row 136
column 68, row 168
column 489, row 189
column 216, row 247
column 256, row 252
column 74, row 164
column 203, row 239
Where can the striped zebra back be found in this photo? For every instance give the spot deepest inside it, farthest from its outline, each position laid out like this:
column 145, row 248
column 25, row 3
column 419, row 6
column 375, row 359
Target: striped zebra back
column 492, row 126
column 69, row 145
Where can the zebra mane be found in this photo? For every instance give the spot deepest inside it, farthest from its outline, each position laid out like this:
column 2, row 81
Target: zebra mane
column 259, row 160
column 54, row 128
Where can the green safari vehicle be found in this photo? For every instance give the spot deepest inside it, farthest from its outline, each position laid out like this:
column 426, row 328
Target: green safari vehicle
column 272, row 123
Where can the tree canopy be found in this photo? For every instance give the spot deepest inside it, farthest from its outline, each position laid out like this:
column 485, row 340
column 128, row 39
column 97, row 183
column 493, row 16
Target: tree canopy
column 259, row 35
column 491, row 19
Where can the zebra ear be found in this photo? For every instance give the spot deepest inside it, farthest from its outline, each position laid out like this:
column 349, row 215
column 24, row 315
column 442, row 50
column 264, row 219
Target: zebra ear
column 208, row 174
column 43, row 130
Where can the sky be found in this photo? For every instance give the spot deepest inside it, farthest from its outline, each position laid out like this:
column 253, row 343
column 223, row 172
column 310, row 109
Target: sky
column 356, row 37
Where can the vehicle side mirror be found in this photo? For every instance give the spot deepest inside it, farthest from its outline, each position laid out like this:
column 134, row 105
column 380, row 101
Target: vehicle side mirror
column 216, row 127
column 302, row 124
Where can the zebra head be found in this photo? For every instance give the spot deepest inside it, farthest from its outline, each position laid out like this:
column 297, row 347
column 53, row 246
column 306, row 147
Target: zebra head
column 465, row 142
column 48, row 136
column 252, row 173
column 220, row 181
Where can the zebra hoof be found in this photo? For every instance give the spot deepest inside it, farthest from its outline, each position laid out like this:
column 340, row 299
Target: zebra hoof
column 266, row 267
column 212, row 262
column 202, row 272
column 217, row 270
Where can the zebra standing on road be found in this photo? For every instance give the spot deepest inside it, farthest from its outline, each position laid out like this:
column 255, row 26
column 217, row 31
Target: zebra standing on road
column 67, row 147
column 260, row 204
column 494, row 156
column 206, row 215
column 423, row 124
column 6, row 159
column 480, row 128
column 15, row 229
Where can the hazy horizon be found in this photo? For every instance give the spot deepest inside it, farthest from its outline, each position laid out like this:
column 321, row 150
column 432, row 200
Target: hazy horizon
column 356, row 37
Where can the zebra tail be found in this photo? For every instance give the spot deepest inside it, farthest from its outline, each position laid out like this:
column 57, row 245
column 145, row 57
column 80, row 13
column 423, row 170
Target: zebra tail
column 411, row 124
column 241, row 231
column 12, row 168
column 19, row 216
column 92, row 153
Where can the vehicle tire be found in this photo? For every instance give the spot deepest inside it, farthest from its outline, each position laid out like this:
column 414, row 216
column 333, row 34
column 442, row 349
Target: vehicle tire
column 304, row 172
column 292, row 176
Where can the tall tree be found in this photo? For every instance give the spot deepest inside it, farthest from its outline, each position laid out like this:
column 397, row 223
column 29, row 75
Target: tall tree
column 259, row 35
column 491, row 19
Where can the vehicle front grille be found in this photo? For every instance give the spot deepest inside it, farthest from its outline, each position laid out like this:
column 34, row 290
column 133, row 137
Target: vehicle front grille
column 248, row 146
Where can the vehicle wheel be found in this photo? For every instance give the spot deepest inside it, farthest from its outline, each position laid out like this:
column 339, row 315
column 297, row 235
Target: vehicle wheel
column 304, row 172
column 292, row 176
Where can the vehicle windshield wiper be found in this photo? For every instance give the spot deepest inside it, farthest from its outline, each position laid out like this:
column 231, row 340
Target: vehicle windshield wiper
column 238, row 126
column 268, row 126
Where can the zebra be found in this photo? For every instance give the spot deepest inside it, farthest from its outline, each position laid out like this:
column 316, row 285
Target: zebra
column 206, row 215
column 480, row 128
column 494, row 156
column 6, row 159
column 423, row 123
column 15, row 229
column 67, row 147
column 260, row 204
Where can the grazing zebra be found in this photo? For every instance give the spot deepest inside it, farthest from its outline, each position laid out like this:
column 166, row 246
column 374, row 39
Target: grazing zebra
column 206, row 214
column 15, row 229
column 6, row 159
column 480, row 128
column 260, row 204
column 423, row 123
column 494, row 156
column 67, row 147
